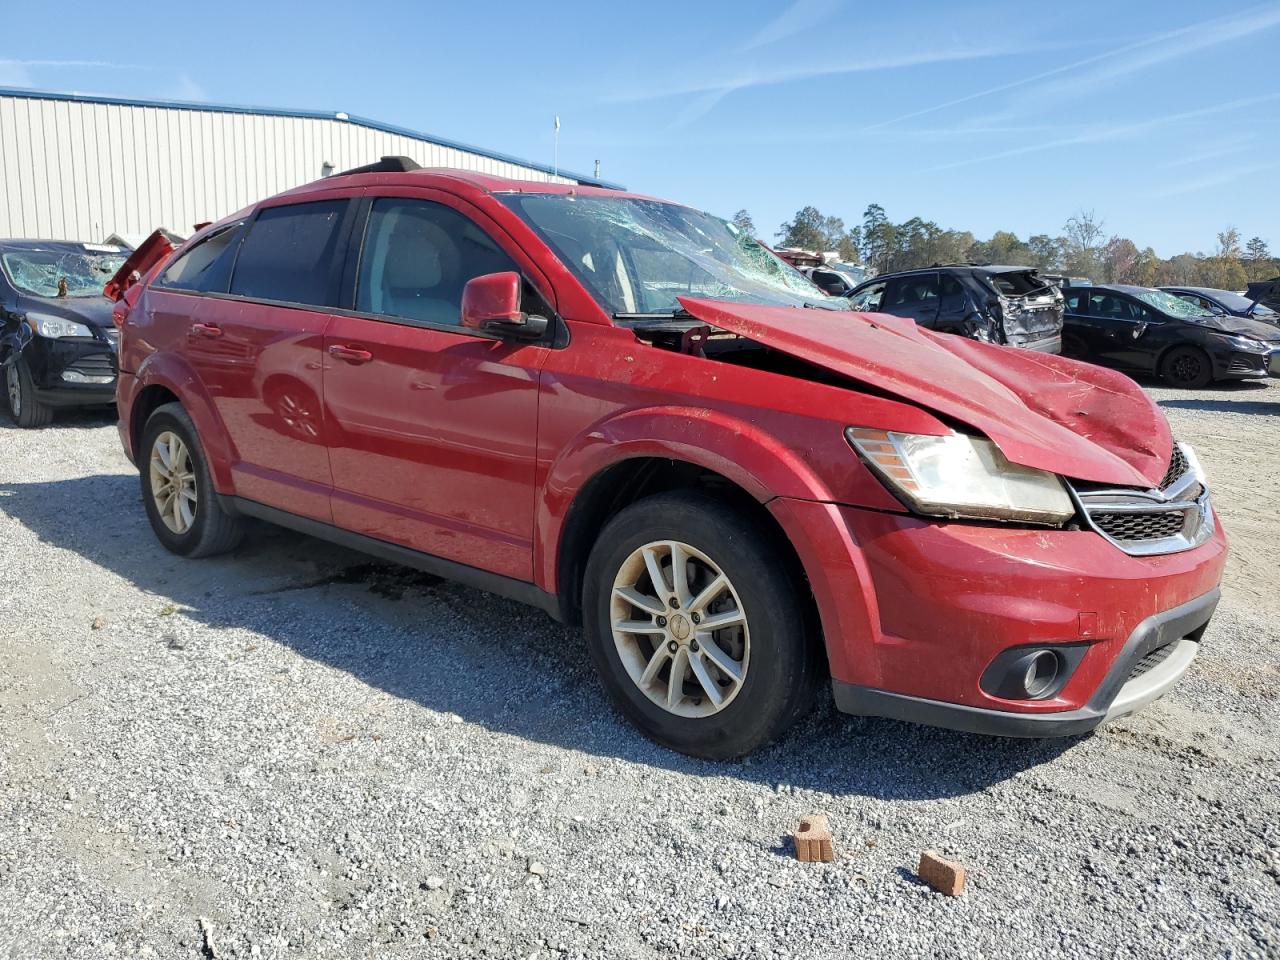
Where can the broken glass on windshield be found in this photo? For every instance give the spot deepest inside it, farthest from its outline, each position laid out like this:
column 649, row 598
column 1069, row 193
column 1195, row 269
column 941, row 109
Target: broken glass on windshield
column 40, row 272
column 637, row 256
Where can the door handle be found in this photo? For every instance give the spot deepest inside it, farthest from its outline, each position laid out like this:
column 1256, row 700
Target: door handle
column 350, row 354
column 206, row 330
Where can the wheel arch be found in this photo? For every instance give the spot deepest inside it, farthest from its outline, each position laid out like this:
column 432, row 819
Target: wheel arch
column 165, row 378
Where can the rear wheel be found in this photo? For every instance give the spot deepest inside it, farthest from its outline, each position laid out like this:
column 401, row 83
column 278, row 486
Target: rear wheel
column 24, row 407
column 180, row 500
column 1187, row 367
column 697, row 626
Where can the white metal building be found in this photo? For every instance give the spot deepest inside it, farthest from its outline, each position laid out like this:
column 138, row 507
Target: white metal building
column 83, row 168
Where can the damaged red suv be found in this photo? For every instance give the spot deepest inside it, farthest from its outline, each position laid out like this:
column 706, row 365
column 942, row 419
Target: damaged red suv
column 627, row 413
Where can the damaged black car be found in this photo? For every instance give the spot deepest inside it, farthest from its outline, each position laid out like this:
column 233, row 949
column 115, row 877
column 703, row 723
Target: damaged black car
column 57, row 343
column 1143, row 330
column 1009, row 305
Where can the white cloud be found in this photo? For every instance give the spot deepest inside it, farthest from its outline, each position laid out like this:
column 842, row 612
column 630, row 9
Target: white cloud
column 1105, row 134
column 1120, row 61
column 800, row 16
column 1219, row 178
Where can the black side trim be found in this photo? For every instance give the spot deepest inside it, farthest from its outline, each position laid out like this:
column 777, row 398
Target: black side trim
column 1187, row 620
column 508, row 587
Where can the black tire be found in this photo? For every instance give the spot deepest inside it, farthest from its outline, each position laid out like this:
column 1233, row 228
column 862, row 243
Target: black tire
column 786, row 663
column 24, row 408
column 1187, row 367
column 1073, row 346
column 212, row 530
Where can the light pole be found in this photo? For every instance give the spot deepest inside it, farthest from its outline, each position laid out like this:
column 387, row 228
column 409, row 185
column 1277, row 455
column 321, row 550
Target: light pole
column 556, row 163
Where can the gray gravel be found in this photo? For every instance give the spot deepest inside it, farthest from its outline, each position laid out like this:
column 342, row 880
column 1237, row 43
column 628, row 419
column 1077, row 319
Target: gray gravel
column 295, row 752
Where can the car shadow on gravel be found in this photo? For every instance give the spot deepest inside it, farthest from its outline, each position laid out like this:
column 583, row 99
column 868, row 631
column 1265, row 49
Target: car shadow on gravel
column 521, row 674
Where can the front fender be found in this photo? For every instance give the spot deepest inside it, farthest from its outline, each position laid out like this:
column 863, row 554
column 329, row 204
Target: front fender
column 745, row 454
column 13, row 342
column 176, row 375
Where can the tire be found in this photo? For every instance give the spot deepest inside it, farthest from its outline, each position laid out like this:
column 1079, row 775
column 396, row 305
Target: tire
column 1187, row 367
column 20, row 394
column 203, row 528
column 776, row 650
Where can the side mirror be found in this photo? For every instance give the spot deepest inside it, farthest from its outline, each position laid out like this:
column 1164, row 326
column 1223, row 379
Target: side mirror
column 491, row 304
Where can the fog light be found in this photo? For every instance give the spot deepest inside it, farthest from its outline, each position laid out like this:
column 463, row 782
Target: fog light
column 1042, row 670
column 75, row 376
column 1032, row 672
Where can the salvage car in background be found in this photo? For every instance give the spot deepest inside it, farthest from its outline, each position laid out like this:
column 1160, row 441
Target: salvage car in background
column 1144, row 330
column 57, row 343
column 620, row 410
column 1226, row 303
column 1009, row 305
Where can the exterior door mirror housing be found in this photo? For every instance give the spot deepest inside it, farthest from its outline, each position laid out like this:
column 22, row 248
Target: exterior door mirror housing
column 491, row 304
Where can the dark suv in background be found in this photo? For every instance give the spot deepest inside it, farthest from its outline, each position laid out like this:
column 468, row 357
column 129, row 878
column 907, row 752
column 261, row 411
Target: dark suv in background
column 57, row 343
column 1009, row 305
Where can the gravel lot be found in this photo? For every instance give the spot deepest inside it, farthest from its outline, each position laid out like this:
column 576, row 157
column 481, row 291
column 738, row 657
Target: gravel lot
column 295, row 752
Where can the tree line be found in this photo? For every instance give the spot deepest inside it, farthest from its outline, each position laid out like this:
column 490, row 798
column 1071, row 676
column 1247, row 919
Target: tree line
column 1082, row 249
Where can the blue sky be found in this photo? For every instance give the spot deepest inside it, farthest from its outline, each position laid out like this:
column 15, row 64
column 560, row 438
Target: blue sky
column 1163, row 117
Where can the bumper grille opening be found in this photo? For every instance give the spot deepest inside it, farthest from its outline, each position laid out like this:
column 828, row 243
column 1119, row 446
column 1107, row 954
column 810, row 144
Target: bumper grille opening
column 95, row 365
column 1152, row 659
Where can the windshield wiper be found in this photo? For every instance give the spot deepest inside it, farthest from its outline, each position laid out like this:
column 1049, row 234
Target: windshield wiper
column 678, row 314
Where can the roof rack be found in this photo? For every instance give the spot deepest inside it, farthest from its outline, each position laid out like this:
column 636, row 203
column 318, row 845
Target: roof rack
column 386, row 165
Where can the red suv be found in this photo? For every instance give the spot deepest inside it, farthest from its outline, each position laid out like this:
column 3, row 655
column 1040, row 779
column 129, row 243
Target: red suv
column 629, row 414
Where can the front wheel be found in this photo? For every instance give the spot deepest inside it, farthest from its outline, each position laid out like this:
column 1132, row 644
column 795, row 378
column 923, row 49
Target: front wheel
column 698, row 627
column 24, row 407
column 1187, row 367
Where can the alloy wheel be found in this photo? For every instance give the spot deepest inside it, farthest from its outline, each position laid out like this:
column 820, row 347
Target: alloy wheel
column 680, row 629
column 173, row 482
column 1186, row 368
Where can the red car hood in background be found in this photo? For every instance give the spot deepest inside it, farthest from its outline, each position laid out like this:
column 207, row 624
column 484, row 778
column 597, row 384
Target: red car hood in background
column 1042, row 411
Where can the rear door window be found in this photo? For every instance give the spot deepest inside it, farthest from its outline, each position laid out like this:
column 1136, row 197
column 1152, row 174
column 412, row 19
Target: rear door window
column 288, row 254
column 417, row 257
column 206, row 267
column 916, row 291
column 1112, row 307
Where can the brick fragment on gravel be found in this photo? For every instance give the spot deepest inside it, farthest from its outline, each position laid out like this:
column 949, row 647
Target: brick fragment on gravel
column 945, row 876
column 813, row 840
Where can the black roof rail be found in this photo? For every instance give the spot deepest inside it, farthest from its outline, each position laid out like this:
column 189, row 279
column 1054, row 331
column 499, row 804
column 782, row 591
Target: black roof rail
column 386, row 165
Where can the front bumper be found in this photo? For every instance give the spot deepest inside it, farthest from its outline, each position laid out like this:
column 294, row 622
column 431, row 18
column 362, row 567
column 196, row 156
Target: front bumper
column 1119, row 694
column 72, row 372
column 914, row 611
column 1241, row 364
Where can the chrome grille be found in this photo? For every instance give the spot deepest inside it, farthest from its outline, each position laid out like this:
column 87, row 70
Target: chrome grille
column 1139, row 526
column 1178, row 465
column 1144, row 522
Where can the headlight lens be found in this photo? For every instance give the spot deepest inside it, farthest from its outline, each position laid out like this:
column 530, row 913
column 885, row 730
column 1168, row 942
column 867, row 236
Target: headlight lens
column 960, row 476
column 54, row 327
column 1246, row 343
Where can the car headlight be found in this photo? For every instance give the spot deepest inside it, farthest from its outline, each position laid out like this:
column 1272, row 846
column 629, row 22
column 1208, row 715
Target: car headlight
column 1247, row 343
column 960, row 476
column 53, row 327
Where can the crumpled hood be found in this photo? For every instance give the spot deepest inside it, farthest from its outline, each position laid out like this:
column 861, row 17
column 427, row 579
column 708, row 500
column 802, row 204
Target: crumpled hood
column 1239, row 325
column 93, row 311
column 1042, row 411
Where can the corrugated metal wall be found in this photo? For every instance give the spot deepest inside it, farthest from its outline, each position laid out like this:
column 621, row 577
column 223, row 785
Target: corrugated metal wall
column 76, row 170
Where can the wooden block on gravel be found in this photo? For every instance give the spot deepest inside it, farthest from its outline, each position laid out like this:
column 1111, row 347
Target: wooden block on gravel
column 813, row 840
column 945, row 876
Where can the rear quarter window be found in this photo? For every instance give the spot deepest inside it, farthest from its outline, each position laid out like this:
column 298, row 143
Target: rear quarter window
column 288, row 254
column 206, row 267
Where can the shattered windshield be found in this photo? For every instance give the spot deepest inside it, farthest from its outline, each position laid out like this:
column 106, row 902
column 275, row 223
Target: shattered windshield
column 41, row 272
column 1173, row 306
column 637, row 256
